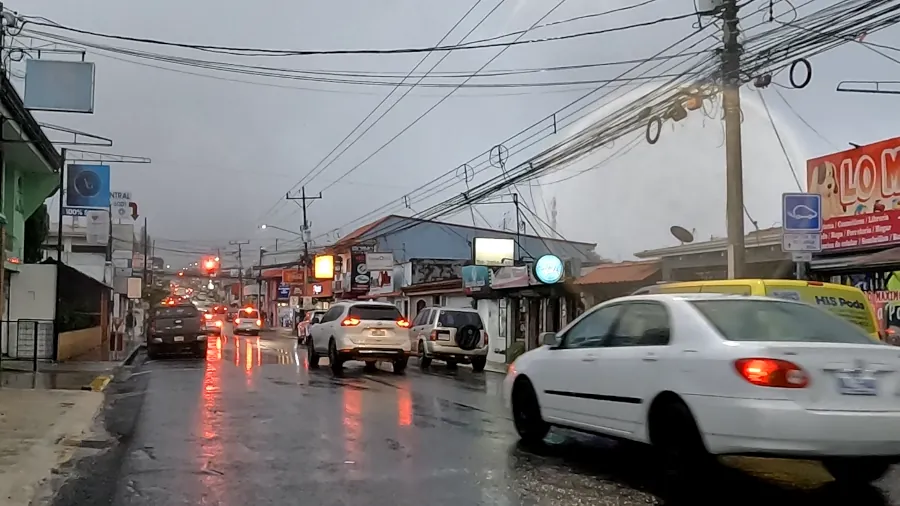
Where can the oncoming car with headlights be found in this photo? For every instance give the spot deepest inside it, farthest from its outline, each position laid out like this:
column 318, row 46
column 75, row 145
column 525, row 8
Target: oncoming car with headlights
column 696, row 375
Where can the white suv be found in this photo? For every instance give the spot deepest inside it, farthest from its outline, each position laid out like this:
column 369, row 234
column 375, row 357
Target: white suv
column 450, row 334
column 365, row 331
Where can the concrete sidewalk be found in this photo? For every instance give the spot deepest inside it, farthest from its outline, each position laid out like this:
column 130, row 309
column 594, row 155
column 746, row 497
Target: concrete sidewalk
column 39, row 431
column 70, row 375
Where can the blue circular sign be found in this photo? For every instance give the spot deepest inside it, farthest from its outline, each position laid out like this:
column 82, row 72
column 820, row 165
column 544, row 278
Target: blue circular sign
column 548, row 269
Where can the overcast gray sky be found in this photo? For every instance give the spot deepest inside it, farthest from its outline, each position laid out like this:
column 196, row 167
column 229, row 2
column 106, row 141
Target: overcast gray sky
column 225, row 152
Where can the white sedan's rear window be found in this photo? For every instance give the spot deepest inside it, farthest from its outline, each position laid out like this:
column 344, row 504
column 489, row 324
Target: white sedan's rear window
column 772, row 320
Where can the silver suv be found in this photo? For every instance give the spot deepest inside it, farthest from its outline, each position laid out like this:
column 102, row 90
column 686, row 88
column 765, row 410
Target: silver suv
column 453, row 335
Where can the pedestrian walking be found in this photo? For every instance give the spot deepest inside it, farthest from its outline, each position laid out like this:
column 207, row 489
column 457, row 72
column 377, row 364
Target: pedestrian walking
column 118, row 334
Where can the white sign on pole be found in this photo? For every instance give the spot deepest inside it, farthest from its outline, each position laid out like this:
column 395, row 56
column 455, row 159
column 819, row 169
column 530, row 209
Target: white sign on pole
column 118, row 204
column 811, row 241
column 801, row 256
column 97, row 226
column 134, row 288
column 137, row 261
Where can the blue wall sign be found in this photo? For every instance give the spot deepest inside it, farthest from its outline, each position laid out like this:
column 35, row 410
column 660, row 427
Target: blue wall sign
column 87, row 186
column 548, row 269
column 284, row 291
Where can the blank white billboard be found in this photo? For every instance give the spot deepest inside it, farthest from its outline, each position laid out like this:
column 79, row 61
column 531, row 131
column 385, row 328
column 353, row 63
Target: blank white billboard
column 61, row 86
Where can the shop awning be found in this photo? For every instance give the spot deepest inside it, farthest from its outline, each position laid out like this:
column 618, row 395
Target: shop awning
column 885, row 259
column 622, row 272
column 435, row 287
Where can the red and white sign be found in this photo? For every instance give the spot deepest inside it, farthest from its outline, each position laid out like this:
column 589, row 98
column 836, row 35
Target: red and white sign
column 861, row 231
column 860, row 191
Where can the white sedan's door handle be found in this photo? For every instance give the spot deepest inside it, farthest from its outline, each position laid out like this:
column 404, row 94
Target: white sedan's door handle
column 650, row 357
column 589, row 358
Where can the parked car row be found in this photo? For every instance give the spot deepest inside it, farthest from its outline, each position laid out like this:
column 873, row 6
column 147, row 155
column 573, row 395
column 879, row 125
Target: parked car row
column 374, row 331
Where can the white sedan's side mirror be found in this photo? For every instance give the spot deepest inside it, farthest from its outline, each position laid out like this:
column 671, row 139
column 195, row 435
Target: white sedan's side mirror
column 548, row 339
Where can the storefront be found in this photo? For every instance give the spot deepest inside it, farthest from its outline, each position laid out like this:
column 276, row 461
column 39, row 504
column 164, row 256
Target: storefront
column 518, row 303
column 860, row 191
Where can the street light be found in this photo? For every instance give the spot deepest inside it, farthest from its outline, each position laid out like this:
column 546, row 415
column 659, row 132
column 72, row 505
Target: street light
column 265, row 226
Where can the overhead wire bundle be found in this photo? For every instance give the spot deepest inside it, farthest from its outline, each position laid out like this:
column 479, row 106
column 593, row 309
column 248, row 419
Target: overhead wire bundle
column 772, row 51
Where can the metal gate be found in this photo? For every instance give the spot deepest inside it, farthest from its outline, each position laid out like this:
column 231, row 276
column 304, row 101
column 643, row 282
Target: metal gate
column 29, row 339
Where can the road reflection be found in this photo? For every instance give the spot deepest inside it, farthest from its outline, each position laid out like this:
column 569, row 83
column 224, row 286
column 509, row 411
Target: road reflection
column 211, row 448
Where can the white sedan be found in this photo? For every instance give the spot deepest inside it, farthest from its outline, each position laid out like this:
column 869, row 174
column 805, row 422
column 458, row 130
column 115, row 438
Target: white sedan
column 700, row 375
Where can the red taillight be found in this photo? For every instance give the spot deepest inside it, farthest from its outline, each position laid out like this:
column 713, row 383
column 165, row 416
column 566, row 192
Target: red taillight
column 486, row 338
column 237, row 321
column 433, row 335
column 350, row 322
column 208, row 316
column 259, row 323
column 815, row 283
column 771, row 372
column 403, row 323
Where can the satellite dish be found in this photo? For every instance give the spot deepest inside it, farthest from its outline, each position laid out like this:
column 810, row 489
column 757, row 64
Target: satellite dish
column 682, row 234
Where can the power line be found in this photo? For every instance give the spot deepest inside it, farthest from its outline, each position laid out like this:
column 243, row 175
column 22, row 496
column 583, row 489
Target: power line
column 267, row 71
column 312, row 173
column 787, row 156
column 803, row 120
column 249, row 51
column 553, row 118
column 794, row 46
column 438, row 103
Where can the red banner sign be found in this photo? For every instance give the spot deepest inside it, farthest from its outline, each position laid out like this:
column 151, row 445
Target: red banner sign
column 862, row 231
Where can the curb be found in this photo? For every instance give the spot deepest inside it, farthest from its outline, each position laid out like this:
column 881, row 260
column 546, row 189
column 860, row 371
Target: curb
column 100, row 383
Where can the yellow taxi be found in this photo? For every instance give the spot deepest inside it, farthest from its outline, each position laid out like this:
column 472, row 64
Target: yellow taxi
column 847, row 302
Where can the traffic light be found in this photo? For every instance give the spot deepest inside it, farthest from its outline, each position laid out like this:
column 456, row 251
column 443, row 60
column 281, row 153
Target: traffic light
column 210, row 266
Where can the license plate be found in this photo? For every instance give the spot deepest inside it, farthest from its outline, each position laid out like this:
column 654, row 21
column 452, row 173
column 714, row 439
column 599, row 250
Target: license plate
column 443, row 337
column 179, row 339
column 856, row 385
column 378, row 333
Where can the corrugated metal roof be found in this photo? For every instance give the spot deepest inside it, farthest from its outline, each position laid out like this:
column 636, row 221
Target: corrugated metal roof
column 623, row 272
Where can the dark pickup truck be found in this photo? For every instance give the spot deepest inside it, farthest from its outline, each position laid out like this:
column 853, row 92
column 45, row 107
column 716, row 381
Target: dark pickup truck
column 176, row 329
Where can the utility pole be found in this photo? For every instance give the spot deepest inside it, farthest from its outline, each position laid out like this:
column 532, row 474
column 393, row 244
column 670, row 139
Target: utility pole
column 240, row 268
column 259, row 281
column 303, row 198
column 146, row 245
column 518, row 251
column 734, row 171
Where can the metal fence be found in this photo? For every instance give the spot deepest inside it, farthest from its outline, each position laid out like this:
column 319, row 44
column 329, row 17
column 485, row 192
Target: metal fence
column 28, row 339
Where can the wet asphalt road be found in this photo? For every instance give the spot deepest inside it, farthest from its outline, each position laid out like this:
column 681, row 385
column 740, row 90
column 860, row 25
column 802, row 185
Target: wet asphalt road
column 253, row 425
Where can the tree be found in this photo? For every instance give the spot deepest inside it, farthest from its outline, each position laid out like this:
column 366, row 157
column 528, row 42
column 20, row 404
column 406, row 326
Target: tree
column 37, row 226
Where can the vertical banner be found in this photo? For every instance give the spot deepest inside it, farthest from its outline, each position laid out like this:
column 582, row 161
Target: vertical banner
column 359, row 272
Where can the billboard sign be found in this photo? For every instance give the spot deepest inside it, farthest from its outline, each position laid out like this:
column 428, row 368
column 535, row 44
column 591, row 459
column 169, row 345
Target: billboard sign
column 87, row 186
column 323, row 267
column 380, row 261
column 860, row 191
column 59, row 85
column 494, row 252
